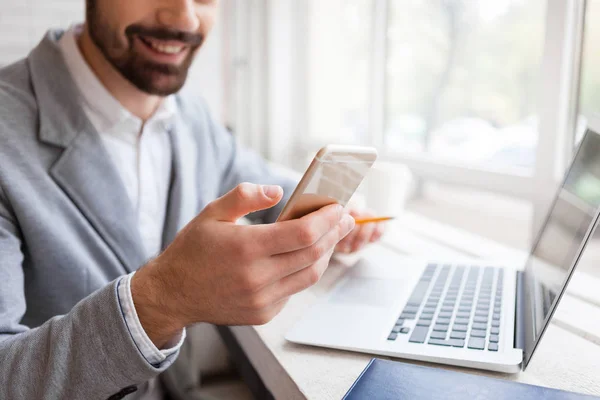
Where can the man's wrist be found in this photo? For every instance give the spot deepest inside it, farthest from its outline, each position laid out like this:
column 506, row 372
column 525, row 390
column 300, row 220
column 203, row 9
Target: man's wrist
column 150, row 298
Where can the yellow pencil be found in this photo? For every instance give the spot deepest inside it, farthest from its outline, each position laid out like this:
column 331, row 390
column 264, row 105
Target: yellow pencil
column 374, row 219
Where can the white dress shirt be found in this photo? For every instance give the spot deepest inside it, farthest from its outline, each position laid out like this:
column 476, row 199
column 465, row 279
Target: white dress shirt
column 141, row 152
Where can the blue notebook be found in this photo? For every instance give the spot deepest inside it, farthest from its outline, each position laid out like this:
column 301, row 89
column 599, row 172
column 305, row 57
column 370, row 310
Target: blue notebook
column 383, row 379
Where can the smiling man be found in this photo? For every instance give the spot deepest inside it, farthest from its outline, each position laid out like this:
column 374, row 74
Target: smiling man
column 106, row 168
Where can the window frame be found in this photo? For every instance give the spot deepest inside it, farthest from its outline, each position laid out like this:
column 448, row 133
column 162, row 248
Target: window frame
column 281, row 137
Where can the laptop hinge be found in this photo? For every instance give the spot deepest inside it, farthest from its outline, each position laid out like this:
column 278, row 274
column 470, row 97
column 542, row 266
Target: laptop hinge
column 520, row 312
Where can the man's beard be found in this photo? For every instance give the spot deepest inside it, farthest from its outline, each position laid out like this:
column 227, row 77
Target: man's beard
column 142, row 73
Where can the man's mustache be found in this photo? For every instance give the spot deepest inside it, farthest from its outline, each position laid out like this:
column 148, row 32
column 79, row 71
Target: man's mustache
column 192, row 39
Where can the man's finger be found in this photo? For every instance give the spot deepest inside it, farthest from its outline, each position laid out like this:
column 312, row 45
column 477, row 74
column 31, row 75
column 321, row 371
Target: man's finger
column 243, row 200
column 345, row 245
column 287, row 236
column 302, row 279
column 290, row 263
column 363, row 236
column 379, row 230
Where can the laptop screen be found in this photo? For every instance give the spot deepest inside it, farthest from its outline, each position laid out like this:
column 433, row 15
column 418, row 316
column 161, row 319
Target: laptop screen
column 568, row 225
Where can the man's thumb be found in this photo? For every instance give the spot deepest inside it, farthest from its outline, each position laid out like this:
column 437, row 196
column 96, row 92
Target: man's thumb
column 245, row 199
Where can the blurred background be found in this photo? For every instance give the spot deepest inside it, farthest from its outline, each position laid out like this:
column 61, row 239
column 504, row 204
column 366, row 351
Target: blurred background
column 475, row 106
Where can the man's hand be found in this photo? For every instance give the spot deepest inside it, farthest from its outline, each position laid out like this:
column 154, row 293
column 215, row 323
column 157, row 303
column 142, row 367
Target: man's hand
column 362, row 234
column 218, row 272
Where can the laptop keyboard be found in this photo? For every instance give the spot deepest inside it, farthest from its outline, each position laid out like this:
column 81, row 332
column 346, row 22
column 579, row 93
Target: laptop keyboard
column 454, row 307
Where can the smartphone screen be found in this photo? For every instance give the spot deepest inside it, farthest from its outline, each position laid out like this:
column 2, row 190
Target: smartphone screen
column 333, row 177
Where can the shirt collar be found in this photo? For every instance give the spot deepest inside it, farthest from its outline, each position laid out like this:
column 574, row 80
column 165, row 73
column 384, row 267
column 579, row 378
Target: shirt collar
column 102, row 108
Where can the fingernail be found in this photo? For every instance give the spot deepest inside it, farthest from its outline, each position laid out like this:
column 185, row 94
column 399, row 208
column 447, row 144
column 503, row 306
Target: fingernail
column 272, row 191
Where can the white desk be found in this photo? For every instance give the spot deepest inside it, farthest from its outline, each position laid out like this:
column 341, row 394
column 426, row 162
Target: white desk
column 568, row 356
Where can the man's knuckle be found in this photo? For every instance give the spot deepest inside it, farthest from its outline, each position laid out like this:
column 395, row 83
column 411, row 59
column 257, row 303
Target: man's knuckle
column 245, row 191
column 318, row 250
column 209, row 208
column 258, row 302
column 308, row 235
column 249, row 283
column 314, row 274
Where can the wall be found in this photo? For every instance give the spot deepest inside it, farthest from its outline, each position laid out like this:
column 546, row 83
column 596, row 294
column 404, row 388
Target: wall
column 24, row 22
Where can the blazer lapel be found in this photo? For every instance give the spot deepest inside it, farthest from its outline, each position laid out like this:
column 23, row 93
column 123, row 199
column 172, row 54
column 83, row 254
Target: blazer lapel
column 84, row 170
column 87, row 175
column 183, row 204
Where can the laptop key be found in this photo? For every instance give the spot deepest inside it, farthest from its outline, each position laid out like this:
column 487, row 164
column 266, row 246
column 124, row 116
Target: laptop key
column 494, row 338
column 445, row 314
column 493, row 347
column 480, row 326
column 418, row 294
column 424, row 322
column 404, row 330
column 396, row 329
column 443, row 321
column 496, row 324
column 478, row 334
column 411, row 309
column 419, row 334
column 400, row 321
column 405, row 315
column 483, row 320
column 476, row 343
column 461, row 321
column 392, row 336
column 438, row 335
column 458, row 335
column 457, row 342
column 440, row 327
column 496, row 316
column 431, row 267
column 462, row 314
column 495, row 331
column 459, row 328
column 439, row 342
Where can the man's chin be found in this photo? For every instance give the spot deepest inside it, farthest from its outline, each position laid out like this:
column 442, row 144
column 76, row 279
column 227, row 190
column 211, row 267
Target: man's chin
column 162, row 85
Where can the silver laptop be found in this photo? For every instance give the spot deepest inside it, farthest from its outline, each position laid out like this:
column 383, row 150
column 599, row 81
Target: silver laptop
column 476, row 314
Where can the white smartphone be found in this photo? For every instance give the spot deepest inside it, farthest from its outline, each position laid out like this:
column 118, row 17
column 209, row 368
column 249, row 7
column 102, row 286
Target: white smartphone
column 332, row 177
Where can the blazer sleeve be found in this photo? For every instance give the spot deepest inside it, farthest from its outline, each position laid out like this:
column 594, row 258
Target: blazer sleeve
column 238, row 165
column 87, row 353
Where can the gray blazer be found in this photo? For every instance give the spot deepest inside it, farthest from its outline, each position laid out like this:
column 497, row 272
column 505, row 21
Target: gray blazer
column 68, row 231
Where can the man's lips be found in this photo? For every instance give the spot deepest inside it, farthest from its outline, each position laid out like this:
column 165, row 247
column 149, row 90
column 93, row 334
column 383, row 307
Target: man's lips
column 171, row 47
column 162, row 51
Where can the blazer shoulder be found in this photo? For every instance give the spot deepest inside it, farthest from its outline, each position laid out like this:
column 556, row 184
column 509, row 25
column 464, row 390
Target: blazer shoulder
column 17, row 99
column 19, row 115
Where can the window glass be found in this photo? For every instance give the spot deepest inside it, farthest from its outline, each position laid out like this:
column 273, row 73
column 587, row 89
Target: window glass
column 589, row 100
column 463, row 79
column 337, row 80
